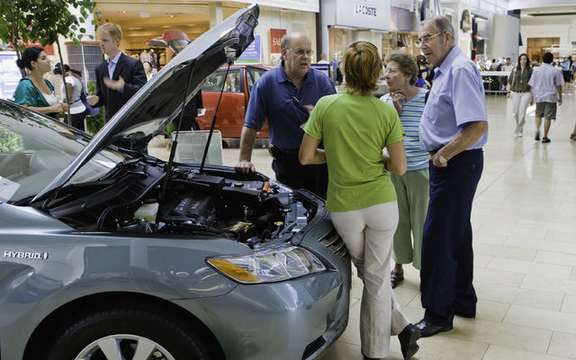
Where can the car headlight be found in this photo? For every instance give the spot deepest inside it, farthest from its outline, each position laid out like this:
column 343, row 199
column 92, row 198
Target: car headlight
column 269, row 265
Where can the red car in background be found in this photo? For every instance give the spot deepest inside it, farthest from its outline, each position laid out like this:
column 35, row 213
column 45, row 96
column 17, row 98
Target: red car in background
column 236, row 94
column 237, row 89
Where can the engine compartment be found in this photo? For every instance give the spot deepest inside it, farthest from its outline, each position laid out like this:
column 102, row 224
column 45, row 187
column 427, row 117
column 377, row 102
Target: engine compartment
column 212, row 204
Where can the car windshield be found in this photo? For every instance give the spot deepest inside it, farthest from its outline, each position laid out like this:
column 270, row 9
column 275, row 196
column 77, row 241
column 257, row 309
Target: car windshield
column 35, row 149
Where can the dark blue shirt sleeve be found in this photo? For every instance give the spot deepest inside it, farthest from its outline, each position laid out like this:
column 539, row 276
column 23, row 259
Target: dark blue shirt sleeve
column 256, row 112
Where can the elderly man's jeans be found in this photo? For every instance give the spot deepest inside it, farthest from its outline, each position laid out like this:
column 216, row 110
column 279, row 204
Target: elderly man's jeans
column 290, row 172
column 447, row 255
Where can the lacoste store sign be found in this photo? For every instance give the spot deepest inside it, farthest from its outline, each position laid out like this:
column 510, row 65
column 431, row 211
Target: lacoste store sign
column 366, row 14
column 302, row 5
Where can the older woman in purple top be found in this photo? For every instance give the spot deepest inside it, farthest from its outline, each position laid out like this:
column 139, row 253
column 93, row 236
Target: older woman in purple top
column 453, row 129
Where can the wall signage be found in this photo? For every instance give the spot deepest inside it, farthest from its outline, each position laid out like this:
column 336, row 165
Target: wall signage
column 302, row 5
column 253, row 53
column 276, row 36
column 363, row 14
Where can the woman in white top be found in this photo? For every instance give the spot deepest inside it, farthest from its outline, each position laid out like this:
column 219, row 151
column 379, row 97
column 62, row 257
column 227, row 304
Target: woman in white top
column 75, row 88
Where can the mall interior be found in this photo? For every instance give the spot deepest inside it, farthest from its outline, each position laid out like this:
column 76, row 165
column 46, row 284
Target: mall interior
column 524, row 213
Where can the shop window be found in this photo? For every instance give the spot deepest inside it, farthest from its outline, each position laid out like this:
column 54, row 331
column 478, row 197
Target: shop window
column 233, row 82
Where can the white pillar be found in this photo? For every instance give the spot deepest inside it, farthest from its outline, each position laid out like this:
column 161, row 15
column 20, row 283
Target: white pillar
column 216, row 13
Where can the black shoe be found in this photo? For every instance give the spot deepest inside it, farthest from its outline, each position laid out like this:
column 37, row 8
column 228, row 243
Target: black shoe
column 408, row 338
column 545, row 140
column 537, row 137
column 427, row 329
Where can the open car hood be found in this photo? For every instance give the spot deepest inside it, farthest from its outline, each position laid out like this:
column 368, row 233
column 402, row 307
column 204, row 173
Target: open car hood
column 162, row 98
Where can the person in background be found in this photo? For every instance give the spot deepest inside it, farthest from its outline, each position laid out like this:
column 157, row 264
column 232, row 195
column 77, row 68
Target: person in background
column 567, row 69
column 520, row 92
column 148, row 70
column 356, row 127
column 412, row 187
column 546, row 86
column 33, row 91
column 424, row 73
column 284, row 97
column 117, row 78
column 453, row 129
column 75, row 88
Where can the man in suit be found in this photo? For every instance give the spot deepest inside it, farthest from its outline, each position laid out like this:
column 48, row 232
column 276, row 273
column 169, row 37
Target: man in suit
column 117, row 78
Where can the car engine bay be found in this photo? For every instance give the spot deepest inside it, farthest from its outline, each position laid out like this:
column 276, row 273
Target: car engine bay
column 216, row 203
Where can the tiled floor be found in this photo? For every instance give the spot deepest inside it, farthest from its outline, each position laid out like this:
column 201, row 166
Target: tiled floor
column 525, row 251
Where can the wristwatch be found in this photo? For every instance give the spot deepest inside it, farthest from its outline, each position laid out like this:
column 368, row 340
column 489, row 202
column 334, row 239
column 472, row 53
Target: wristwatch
column 442, row 160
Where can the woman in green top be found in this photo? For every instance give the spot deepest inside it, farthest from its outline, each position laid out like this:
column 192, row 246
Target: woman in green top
column 35, row 92
column 356, row 127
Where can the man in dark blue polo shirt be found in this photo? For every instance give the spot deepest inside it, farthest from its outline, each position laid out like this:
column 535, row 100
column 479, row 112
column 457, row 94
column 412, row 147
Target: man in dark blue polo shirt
column 285, row 96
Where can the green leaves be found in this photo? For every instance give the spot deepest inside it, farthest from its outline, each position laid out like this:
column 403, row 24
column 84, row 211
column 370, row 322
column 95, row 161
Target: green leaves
column 43, row 20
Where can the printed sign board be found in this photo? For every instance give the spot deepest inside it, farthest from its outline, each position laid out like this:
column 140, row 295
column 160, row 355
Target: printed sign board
column 253, row 53
column 9, row 74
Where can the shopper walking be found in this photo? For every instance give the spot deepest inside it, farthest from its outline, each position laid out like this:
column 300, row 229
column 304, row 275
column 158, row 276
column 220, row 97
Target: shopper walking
column 454, row 130
column 520, row 92
column 546, row 85
column 75, row 89
column 117, row 78
column 284, row 96
column 34, row 91
column 401, row 75
column 355, row 128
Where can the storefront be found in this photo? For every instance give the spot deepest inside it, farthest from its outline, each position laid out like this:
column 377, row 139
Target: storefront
column 142, row 22
column 345, row 21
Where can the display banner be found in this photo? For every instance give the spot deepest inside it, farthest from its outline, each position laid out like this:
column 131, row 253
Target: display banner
column 276, row 36
column 253, row 53
column 366, row 14
column 302, row 5
column 9, row 74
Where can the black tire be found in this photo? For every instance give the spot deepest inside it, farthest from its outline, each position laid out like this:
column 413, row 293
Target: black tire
column 165, row 331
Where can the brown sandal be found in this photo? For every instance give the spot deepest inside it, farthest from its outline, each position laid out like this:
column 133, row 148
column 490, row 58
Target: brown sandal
column 396, row 277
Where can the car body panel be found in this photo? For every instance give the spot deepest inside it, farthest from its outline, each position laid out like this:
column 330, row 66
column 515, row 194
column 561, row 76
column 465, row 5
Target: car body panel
column 83, row 240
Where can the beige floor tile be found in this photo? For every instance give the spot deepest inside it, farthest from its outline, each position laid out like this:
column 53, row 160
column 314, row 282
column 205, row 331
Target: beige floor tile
column 542, row 319
column 506, row 353
column 569, row 304
column 504, row 252
column 343, row 351
column 500, row 293
column 440, row 347
column 528, row 267
column 556, row 257
column 498, row 277
column 497, row 333
column 563, row 344
column 546, row 300
column 544, row 283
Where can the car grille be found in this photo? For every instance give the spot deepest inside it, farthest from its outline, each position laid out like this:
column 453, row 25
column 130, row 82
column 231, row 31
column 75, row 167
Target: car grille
column 335, row 243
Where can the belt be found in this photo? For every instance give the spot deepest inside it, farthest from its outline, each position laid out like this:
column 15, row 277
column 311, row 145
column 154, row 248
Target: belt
column 279, row 150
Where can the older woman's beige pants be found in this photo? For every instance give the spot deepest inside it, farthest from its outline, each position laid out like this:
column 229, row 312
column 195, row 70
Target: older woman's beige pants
column 368, row 234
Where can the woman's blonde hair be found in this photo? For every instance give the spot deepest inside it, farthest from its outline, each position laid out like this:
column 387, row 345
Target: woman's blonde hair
column 114, row 30
column 362, row 67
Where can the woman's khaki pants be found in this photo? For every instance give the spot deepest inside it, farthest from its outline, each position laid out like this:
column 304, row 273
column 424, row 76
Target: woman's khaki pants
column 368, row 234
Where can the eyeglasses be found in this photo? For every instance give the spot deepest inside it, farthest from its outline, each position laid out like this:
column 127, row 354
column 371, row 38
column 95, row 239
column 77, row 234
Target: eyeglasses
column 302, row 52
column 426, row 38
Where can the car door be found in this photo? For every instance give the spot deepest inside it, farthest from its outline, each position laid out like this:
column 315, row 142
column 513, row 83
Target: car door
column 230, row 117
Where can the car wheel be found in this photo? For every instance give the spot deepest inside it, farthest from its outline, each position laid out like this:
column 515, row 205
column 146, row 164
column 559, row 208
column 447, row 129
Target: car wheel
column 124, row 334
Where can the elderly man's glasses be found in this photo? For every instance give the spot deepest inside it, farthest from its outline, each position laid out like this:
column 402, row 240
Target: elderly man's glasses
column 302, row 52
column 426, row 38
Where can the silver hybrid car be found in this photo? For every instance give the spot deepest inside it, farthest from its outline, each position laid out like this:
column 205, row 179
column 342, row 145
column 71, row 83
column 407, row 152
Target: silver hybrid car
column 108, row 253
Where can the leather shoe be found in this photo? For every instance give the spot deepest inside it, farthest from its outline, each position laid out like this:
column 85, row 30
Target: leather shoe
column 427, row 329
column 408, row 338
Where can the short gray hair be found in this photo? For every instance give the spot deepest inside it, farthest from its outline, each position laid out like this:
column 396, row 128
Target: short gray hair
column 443, row 24
column 287, row 39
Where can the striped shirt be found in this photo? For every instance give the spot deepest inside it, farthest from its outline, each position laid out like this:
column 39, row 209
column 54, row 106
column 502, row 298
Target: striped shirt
column 410, row 116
